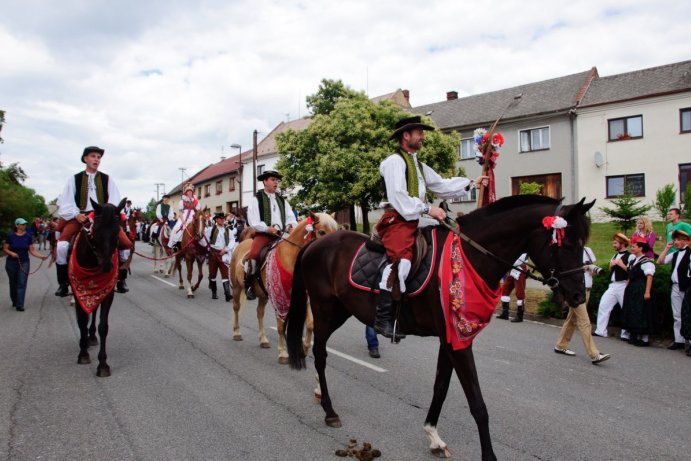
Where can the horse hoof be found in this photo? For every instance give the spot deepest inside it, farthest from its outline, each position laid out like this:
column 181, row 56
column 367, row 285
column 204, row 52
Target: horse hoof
column 237, row 337
column 83, row 360
column 103, row 372
column 441, row 452
column 166, row 276
column 265, row 345
column 181, row 287
column 93, row 341
column 333, row 421
column 283, row 360
column 190, row 296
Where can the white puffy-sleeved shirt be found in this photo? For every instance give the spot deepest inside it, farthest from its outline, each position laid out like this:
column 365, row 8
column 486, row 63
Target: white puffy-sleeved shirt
column 159, row 213
column 647, row 267
column 393, row 170
column 67, row 207
column 588, row 260
column 522, row 259
column 220, row 241
column 255, row 221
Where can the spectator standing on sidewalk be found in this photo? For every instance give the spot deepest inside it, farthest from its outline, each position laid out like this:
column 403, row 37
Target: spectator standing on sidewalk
column 644, row 229
column 639, row 306
column 675, row 223
column 678, row 254
column 614, row 294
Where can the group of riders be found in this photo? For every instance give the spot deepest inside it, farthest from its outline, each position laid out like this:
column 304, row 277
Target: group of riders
column 407, row 181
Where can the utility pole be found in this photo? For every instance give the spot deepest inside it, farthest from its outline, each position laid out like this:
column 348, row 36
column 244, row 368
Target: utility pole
column 254, row 163
column 158, row 186
column 182, row 177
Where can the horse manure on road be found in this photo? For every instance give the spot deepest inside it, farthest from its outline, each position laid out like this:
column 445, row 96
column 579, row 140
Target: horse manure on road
column 366, row 453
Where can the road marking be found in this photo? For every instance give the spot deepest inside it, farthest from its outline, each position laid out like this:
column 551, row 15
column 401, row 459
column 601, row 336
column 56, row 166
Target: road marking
column 164, row 281
column 351, row 358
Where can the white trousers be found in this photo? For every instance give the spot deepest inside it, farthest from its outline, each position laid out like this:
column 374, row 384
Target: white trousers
column 64, row 246
column 677, row 298
column 610, row 298
column 403, row 271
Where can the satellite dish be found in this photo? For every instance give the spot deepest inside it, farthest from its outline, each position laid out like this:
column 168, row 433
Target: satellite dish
column 599, row 159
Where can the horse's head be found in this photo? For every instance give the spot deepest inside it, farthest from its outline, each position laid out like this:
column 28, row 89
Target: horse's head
column 105, row 232
column 557, row 251
column 322, row 223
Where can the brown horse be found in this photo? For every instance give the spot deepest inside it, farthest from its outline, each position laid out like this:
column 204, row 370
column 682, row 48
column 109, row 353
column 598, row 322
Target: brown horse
column 92, row 272
column 191, row 251
column 499, row 234
column 286, row 251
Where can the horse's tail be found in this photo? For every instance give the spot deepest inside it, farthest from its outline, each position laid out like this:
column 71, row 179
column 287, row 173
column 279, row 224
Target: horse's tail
column 295, row 321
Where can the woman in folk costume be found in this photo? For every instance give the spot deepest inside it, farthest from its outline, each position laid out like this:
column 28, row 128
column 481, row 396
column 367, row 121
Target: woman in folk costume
column 189, row 204
column 407, row 181
column 639, row 307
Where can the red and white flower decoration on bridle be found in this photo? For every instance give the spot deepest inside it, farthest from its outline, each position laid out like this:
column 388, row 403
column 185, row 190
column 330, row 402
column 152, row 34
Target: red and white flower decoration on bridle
column 557, row 224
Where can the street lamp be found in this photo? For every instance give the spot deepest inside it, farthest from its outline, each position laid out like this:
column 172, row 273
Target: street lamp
column 239, row 148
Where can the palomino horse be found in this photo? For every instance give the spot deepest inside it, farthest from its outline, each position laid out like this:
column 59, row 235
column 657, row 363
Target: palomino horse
column 498, row 234
column 191, row 251
column 162, row 253
column 93, row 272
column 286, row 251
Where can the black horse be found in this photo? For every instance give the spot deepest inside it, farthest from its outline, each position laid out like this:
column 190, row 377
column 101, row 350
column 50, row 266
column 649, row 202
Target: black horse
column 94, row 260
column 499, row 233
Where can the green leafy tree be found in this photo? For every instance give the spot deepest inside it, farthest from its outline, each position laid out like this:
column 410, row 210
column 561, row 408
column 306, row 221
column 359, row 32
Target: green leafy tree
column 150, row 212
column 2, row 122
column 625, row 211
column 334, row 163
column 16, row 200
column 329, row 93
column 664, row 199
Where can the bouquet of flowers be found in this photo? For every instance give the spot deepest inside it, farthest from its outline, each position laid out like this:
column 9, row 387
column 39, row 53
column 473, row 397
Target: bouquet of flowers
column 487, row 145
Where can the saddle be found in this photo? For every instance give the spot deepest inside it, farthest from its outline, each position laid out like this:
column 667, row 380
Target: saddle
column 369, row 262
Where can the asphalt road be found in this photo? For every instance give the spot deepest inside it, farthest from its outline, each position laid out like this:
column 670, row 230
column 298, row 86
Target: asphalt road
column 182, row 389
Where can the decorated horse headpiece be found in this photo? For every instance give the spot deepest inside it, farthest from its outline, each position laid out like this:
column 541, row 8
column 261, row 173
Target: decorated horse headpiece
column 557, row 224
column 188, row 186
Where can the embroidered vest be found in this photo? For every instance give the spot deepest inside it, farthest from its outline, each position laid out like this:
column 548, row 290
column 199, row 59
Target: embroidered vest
column 619, row 273
column 165, row 209
column 81, row 189
column 214, row 235
column 683, row 269
column 265, row 208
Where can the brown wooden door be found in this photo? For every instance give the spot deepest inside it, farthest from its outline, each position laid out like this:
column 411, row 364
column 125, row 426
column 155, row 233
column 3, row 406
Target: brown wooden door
column 551, row 184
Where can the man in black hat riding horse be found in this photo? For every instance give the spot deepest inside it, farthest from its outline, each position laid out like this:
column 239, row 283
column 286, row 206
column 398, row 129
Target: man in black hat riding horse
column 407, row 181
column 270, row 215
column 74, row 206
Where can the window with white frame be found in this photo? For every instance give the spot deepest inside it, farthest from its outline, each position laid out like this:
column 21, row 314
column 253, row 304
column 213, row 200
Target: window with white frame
column 470, row 196
column 622, row 129
column 633, row 184
column 466, row 149
column 260, row 169
column 534, row 139
column 685, row 120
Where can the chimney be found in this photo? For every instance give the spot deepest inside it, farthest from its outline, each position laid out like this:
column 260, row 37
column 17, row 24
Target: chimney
column 451, row 95
column 406, row 95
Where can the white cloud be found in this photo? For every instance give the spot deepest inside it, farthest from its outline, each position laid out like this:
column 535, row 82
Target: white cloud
column 164, row 84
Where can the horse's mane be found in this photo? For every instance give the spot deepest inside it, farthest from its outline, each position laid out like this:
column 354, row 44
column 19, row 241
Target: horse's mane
column 327, row 221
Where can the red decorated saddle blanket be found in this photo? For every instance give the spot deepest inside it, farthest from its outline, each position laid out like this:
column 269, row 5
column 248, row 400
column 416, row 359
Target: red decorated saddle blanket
column 367, row 266
column 90, row 285
column 467, row 302
column 279, row 284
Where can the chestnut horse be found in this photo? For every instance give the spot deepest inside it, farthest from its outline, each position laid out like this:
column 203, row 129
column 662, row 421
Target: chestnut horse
column 191, row 251
column 286, row 250
column 95, row 252
column 498, row 234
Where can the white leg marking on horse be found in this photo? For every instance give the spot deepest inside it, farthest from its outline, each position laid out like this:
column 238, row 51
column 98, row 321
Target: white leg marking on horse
column 164, row 281
column 351, row 358
column 436, row 444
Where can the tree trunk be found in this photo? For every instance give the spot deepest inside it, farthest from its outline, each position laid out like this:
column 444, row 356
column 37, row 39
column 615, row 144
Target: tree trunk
column 365, row 219
column 351, row 213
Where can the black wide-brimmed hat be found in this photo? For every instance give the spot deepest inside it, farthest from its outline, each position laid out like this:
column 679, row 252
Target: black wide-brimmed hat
column 407, row 124
column 88, row 150
column 220, row 215
column 678, row 233
column 269, row 174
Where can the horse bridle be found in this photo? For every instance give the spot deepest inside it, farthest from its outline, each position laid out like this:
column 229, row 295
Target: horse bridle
column 552, row 281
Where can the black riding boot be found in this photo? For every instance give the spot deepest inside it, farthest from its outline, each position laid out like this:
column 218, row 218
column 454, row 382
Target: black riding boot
column 63, row 281
column 504, row 311
column 212, row 286
column 384, row 318
column 121, row 286
column 226, row 291
column 519, row 315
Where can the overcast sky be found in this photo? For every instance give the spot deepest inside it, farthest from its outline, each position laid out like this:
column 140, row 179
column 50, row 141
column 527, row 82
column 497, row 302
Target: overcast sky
column 163, row 85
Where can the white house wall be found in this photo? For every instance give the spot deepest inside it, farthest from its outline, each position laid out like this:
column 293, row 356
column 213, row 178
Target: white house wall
column 657, row 155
